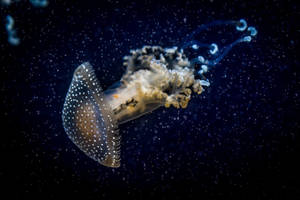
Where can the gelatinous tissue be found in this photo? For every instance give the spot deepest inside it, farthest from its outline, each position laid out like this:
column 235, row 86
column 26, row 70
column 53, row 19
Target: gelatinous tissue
column 154, row 77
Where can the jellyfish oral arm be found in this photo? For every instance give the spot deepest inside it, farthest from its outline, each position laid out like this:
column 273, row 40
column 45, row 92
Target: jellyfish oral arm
column 142, row 91
column 155, row 77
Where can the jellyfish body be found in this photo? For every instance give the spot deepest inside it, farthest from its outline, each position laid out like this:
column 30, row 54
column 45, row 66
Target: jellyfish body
column 154, row 77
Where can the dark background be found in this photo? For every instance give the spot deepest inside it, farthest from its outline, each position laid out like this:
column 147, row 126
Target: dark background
column 237, row 140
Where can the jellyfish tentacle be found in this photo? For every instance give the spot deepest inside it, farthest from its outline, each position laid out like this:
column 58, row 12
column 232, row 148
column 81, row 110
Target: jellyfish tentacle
column 252, row 30
column 195, row 44
column 12, row 35
column 212, row 24
column 39, row 3
column 213, row 49
column 224, row 51
column 242, row 25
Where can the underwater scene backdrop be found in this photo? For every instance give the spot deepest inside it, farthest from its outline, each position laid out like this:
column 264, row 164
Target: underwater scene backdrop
column 236, row 139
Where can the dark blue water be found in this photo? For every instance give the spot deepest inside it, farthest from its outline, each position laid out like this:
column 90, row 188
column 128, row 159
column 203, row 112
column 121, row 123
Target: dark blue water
column 237, row 140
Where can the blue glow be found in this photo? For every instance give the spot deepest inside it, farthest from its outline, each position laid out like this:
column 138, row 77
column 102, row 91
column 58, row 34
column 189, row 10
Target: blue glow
column 253, row 31
column 9, row 22
column 217, row 54
column 201, row 59
column 205, row 83
column 242, row 25
column 247, row 39
column 204, row 68
column 214, row 48
column 12, row 36
column 11, row 32
column 195, row 46
column 14, row 40
column 39, row 3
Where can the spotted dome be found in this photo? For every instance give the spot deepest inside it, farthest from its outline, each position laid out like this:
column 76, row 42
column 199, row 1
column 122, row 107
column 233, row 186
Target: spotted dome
column 88, row 120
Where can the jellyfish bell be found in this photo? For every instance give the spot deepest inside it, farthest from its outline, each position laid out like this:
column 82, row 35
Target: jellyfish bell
column 154, row 77
column 88, row 119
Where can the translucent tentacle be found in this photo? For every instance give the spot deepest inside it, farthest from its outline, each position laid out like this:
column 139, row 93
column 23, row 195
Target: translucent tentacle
column 39, row 3
column 12, row 35
column 213, row 49
column 225, row 50
column 206, row 26
column 195, row 45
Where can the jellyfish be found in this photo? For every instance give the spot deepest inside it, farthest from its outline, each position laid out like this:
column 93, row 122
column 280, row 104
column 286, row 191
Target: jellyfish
column 154, row 77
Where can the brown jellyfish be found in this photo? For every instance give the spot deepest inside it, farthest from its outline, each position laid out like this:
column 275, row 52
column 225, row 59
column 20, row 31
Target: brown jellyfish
column 154, row 77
